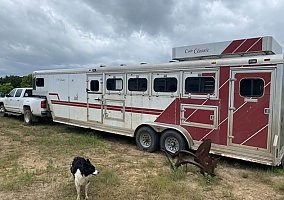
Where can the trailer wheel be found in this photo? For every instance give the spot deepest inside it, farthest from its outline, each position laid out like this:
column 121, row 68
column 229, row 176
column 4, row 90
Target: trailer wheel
column 28, row 116
column 172, row 141
column 147, row 139
column 2, row 110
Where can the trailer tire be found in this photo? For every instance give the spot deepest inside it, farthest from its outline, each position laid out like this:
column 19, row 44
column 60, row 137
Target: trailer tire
column 2, row 110
column 172, row 141
column 147, row 139
column 28, row 117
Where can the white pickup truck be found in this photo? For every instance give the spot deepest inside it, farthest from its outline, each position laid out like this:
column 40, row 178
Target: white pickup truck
column 20, row 101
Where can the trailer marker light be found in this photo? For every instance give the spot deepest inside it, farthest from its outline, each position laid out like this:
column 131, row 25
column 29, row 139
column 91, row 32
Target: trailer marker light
column 252, row 61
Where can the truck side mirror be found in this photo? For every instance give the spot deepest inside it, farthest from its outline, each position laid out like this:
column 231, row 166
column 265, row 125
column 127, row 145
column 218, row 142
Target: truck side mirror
column 7, row 95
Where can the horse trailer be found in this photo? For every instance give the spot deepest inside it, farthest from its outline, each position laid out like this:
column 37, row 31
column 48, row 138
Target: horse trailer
column 230, row 92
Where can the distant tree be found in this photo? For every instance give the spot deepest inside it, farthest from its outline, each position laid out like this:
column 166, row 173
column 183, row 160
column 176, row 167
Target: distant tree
column 14, row 80
column 27, row 81
column 5, row 88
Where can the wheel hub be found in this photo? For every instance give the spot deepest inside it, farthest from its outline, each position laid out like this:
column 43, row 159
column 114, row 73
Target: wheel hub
column 172, row 144
column 145, row 140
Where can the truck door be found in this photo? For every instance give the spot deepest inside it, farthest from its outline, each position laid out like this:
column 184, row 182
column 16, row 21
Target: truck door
column 95, row 97
column 18, row 101
column 250, row 108
column 9, row 100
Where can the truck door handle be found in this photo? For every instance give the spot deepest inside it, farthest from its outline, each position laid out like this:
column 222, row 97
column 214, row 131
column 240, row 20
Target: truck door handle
column 98, row 99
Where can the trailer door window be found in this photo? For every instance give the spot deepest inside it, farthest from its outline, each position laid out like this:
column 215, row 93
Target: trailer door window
column 200, row 85
column 114, row 84
column 251, row 87
column 137, row 84
column 165, row 84
column 40, row 82
column 94, row 85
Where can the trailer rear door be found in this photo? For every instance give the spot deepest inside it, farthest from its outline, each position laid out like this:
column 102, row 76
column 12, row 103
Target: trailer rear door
column 251, row 108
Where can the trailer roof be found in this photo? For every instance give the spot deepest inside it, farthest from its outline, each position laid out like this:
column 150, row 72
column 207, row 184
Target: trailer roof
column 241, row 47
column 210, row 63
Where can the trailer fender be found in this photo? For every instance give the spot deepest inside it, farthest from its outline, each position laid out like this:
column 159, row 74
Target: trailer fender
column 160, row 127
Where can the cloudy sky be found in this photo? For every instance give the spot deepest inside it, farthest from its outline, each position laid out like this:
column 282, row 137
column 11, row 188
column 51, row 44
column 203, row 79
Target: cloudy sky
column 50, row 34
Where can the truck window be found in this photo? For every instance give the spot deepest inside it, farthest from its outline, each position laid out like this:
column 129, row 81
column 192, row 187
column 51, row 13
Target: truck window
column 114, row 84
column 18, row 93
column 12, row 93
column 137, row 84
column 251, row 87
column 40, row 82
column 165, row 84
column 200, row 85
column 28, row 93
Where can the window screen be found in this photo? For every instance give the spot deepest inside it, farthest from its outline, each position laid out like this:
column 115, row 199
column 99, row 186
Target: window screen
column 251, row 87
column 40, row 82
column 165, row 84
column 94, row 85
column 18, row 93
column 200, row 85
column 114, row 84
column 137, row 84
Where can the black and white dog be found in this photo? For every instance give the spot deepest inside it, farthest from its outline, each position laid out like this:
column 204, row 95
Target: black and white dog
column 82, row 171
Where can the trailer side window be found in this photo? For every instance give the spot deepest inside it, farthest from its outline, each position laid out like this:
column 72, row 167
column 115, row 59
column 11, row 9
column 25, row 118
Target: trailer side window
column 165, row 84
column 114, row 84
column 200, row 85
column 137, row 84
column 251, row 87
column 40, row 82
column 94, row 85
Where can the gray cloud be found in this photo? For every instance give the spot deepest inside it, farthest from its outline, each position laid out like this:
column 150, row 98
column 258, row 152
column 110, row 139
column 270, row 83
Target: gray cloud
column 49, row 34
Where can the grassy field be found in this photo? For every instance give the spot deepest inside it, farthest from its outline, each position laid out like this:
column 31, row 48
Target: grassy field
column 35, row 162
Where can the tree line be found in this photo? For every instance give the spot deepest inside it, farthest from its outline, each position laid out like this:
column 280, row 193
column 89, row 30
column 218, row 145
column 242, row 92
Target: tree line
column 7, row 83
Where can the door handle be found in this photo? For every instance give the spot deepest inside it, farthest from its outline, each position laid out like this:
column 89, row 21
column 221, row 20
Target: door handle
column 97, row 99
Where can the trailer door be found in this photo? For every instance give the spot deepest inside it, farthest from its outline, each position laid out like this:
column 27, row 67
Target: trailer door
column 250, row 108
column 94, row 97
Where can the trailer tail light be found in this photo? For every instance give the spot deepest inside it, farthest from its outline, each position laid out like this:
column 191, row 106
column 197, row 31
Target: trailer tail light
column 43, row 104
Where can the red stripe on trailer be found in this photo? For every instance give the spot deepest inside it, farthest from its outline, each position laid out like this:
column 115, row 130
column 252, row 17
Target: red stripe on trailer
column 232, row 46
column 110, row 107
column 256, row 46
column 248, row 44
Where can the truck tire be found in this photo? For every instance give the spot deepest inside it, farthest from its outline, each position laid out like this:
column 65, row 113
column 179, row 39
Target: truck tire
column 147, row 139
column 2, row 110
column 172, row 141
column 28, row 117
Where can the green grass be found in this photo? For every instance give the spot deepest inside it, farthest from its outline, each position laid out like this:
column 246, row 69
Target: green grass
column 125, row 173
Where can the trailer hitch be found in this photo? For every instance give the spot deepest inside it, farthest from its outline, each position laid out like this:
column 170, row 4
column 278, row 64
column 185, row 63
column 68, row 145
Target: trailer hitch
column 200, row 158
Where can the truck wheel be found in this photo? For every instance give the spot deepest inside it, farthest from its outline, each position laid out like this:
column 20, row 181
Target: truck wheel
column 28, row 116
column 147, row 139
column 2, row 110
column 172, row 141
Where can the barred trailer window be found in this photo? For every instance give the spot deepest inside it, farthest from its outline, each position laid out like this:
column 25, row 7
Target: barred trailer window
column 114, row 84
column 200, row 85
column 137, row 84
column 165, row 84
